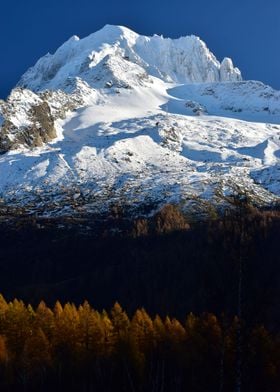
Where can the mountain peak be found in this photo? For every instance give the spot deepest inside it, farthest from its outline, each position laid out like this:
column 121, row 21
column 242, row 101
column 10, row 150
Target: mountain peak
column 116, row 29
column 182, row 60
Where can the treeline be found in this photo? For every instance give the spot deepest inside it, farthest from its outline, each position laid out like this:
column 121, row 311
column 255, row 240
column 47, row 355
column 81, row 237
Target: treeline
column 71, row 348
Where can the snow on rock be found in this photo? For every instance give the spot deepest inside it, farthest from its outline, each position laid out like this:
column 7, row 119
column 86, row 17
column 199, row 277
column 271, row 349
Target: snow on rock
column 228, row 72
column 249, row 100
column 121, row 118
column 27, row 121
column 183, row 60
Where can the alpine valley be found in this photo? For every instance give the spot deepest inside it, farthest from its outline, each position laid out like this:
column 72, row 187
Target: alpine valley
column 117, row 118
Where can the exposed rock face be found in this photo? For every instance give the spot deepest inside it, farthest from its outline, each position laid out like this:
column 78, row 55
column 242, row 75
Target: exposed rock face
column 44, row 130
column 27, row 121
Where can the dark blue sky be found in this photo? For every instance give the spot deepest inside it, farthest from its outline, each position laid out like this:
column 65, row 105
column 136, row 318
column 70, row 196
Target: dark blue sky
column 246, row 30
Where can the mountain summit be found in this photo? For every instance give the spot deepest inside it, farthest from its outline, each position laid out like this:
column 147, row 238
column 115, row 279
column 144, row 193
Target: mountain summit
column 120, row 118
column 183, row 60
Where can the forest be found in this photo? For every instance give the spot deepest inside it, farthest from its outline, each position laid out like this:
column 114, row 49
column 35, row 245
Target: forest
column 200, row 304
column 80, row 349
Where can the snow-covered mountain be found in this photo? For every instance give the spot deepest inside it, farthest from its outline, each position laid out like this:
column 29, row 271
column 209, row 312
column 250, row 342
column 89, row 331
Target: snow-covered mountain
column 120, row 118
column 184, row 60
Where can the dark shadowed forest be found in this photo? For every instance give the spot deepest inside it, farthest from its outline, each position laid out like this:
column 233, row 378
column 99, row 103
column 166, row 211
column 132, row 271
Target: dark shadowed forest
column 210, row 290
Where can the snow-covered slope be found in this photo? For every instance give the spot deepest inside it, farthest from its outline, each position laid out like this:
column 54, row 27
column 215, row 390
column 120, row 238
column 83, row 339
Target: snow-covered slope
column 119, row 118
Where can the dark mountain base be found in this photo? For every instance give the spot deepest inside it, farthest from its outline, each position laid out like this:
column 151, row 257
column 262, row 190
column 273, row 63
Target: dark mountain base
column 228, row 267
column 215, row 266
